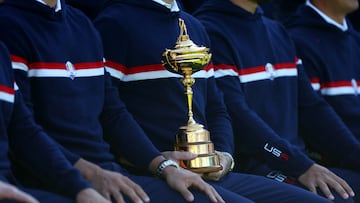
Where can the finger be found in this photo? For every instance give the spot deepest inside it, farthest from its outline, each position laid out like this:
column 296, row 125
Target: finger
column 185, row 192
column 130, row 193
column 208, row 190
column 22, row 197
column 215, row 176
column 133, row 191
column 183, row 155
column 312, row 188
column 325, row 189
column 182, row 188
column 13, row 193
column 118, row 197
column 218, row 198
column 212, row 176
column 346, row 186
column 141, row 193
column 106, row 195
column 213, row 195
column 342, row 188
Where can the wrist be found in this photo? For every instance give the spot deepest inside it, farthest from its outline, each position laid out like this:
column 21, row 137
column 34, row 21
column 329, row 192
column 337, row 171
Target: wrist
column 155, row 163
column 165, row 166
column 232, row 162
column 87, row 169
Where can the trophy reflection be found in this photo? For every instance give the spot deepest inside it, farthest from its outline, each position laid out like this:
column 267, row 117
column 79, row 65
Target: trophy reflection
column 185, row 59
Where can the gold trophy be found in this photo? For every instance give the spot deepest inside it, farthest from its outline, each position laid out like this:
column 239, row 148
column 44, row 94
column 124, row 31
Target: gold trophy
column 185, row 59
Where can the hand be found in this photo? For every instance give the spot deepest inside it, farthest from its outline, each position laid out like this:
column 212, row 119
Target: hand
column 179, row 155
column 226, row 161
column 181, row 179
column 111, row 184
column 319, row 176
column 90, row 196
column 10, row 192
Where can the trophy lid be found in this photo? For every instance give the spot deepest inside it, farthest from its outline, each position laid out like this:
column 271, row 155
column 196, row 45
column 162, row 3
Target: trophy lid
column 185, row 45
column 186, row 53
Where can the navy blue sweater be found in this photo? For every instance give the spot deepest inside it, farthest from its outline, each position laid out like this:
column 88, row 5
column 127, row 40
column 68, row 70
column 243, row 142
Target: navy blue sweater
column 331, row 58
column 152, row 94
column 58, row 62
column 28, row 142
column 267, row 92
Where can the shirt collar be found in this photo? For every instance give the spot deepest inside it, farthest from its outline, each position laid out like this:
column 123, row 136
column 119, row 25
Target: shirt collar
column 343, row 27
column 57, row 7
column 173, row 7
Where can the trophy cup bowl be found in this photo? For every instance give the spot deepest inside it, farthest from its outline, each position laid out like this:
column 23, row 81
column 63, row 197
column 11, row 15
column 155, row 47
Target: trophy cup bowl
column 185, row 59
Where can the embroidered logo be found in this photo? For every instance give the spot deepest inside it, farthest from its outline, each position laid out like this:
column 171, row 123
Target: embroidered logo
column 280, row 177
column 270, row 70
column 355, row 86
column 276, row 152
column 71, row 70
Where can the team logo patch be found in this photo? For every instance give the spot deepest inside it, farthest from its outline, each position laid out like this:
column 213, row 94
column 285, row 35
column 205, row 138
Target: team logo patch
column 280, row 177
column 276, row 152
column 71, row 70
column 355, row 86
column 270, row 70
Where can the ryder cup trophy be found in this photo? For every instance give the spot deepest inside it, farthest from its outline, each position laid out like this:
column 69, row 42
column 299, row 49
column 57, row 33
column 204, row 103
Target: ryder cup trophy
column 185, row 59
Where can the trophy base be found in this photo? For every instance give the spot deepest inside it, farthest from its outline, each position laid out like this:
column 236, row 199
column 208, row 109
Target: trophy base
column 209, row 169
column 203, row 164
column 195, row 139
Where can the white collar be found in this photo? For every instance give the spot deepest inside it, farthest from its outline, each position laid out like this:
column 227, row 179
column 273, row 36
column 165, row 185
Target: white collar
column 342, row 27
column 57, row 7
column 173, row 7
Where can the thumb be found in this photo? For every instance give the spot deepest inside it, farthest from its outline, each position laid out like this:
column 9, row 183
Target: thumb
column 183, row 155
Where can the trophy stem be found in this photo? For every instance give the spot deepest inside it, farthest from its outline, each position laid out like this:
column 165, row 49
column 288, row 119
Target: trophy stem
column 189, row 95
column 188, row 81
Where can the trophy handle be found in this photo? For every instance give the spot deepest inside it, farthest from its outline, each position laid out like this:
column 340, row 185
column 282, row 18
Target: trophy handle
column 168, row 64
column 183, row 37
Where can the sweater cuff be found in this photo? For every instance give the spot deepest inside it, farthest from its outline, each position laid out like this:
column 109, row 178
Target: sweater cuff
column 147, row 158
column 299, row 166
column 71, row 157
column 74, row 183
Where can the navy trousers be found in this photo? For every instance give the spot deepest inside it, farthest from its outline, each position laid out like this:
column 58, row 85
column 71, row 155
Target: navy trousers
column 40, row 195
column 351, row 177
column 234, row 188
